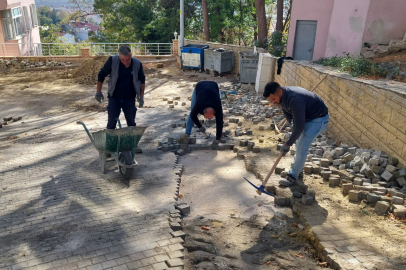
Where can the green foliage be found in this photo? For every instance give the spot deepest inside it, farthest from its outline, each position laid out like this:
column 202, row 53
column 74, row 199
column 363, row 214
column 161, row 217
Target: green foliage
column 48, row 34
column 275, row 44
column 356, row 66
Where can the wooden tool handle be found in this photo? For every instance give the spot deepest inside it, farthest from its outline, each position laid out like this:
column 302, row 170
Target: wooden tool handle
column 272, row 169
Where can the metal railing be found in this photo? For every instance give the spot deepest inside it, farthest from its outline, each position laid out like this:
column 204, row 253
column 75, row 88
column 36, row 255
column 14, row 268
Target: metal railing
column 73, row 49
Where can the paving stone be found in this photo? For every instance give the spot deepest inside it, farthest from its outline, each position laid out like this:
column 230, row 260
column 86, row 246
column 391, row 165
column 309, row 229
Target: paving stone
column 175, row 226
column 325, row 175
column 174, row 262
column 387, row 176
column 302, row 188
column 333, row 181
column 346, row 188
column 307, row 199
column 278, row 170
column 256, row 149
column 308, row 169
column 401, row 181
column 381, row 208
column 311, row 193
column 373, row 198
column 184, row 209
column 397, row 200
column 354, row 195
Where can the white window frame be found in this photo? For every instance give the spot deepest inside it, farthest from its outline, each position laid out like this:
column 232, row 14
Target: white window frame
column 12, row 21
column 34, row 17
column 26, row 19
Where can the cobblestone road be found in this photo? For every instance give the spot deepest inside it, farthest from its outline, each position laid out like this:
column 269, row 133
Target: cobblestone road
column 58, row 211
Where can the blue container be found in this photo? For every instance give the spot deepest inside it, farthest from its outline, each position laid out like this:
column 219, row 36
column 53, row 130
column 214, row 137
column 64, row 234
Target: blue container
column 193, row 56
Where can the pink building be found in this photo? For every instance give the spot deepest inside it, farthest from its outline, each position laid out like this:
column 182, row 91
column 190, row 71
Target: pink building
column 325, row 28
column 19, row 28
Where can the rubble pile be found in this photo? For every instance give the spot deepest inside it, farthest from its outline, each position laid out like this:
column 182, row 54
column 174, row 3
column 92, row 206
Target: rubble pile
column 10, row 64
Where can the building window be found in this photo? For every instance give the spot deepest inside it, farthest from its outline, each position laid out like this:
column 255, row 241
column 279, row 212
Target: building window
column 34, row 17
column 26, row 19
column 12, row 23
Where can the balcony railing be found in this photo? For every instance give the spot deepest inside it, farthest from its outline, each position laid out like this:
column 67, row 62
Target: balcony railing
column 72, row 49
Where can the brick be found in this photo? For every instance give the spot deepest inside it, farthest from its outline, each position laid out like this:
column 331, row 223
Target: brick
column 307, row 199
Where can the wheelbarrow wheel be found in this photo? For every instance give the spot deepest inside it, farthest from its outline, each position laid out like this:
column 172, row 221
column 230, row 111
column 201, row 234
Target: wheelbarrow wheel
column 126, row 158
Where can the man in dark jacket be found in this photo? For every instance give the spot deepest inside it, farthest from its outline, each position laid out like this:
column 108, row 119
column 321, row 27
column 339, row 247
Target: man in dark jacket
column 310, row 117
column 206, row 101
column 127, row 82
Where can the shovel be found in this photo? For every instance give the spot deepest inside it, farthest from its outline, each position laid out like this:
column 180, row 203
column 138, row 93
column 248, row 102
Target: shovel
column 261, row 188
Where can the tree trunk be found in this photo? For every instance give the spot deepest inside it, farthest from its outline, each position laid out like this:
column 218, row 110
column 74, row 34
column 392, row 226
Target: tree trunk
column 279, row 16
column 206, row 29
column 261, row 21
column 239, row 28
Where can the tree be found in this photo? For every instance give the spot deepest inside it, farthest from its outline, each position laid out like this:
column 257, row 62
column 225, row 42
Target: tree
column 279, row 16
column 206, row 29
column 48, row 34
column 261, row 22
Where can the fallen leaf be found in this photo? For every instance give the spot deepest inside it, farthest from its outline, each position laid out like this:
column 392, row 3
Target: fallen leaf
column 295, row 225
column 205, row 228
column 180, row 196
column 322, row 264
column 259, row 204
column 280, row 217
column 299, row 255
column 268, row 263
column 275, row 236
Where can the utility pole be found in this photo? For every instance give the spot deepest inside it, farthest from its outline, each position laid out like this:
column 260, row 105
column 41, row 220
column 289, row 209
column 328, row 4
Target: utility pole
column 182, row 23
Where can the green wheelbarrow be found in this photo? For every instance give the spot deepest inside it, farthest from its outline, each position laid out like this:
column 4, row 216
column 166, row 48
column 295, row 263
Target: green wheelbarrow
column 120, row 144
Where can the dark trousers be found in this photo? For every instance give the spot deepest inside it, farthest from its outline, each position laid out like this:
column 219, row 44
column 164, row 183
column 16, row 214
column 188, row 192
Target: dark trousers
column 114, row 108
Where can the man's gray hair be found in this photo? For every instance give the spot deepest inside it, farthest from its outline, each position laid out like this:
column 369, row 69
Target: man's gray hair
column 124, row 50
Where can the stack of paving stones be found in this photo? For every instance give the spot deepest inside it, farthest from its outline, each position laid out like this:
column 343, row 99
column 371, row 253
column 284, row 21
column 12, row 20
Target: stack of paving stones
column 8, row 120
column 362, row 174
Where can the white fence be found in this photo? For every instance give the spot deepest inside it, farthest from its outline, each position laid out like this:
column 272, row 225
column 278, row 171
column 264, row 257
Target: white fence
column 71, row 49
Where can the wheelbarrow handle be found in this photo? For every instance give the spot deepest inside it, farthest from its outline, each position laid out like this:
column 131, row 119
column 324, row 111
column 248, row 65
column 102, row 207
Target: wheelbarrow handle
column 87, row 131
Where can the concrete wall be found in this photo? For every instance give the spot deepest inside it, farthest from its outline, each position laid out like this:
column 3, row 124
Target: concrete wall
column 386, row 20
column 314, row 10
column 234, row 48
column 347, row 27
column 371, row 114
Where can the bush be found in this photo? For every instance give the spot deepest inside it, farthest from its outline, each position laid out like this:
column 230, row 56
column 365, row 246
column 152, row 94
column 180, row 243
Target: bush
column 356, row 66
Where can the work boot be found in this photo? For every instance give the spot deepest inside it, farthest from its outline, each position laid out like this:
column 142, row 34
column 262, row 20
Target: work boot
column 288, row 181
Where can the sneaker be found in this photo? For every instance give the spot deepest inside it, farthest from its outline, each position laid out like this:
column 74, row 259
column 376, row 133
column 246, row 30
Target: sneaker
column 289, row 181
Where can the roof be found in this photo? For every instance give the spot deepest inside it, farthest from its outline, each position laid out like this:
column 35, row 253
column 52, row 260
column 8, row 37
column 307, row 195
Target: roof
column 90, row 26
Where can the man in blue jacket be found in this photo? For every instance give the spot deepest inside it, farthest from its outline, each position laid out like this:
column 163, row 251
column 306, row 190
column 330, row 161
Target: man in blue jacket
column 206, row 101
column 127, row 82
column 310, row 117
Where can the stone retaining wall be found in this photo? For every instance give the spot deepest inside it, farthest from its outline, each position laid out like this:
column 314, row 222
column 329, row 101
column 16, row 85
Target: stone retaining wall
column 370, row 114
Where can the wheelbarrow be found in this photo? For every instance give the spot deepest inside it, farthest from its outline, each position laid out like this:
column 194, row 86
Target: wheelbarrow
column 118, row 143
